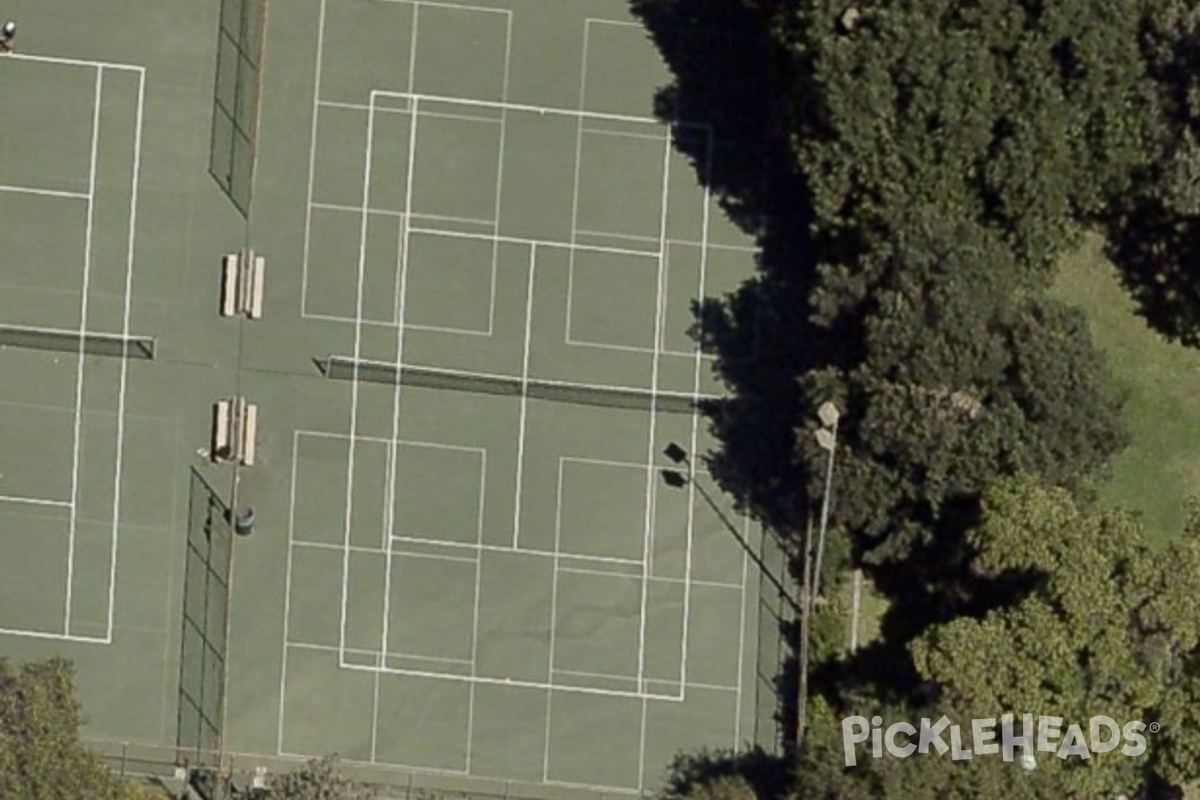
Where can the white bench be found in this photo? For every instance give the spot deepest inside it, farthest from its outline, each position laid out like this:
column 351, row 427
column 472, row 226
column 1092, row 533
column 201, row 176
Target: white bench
column 232, row 264
column 249, row 432
column 221, row 444
column 258, row 270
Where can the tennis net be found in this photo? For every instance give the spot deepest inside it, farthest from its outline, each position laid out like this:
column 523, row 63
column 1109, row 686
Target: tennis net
column 348, row 368
column 91, row 343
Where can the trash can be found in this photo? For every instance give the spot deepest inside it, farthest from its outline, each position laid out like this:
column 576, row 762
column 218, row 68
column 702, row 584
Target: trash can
column 243, row 520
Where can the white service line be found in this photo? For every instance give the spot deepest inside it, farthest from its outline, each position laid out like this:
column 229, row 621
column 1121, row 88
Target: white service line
column 312, row 160
column 83, row 322
column 126, row 313
column 524, row 398
column 287, row 587
column 46, row 192
column 35, row 501
column 362, row 258
column 401, row 310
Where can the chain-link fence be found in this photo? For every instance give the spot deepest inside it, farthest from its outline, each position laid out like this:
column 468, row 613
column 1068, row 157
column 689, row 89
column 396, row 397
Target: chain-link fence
column 240, row 41
column 205, row 624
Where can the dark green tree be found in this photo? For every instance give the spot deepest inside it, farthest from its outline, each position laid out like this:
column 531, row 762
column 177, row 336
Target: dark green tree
column 1016, row 115
column 318, row 779
column 1110, row 628
column 41, row 756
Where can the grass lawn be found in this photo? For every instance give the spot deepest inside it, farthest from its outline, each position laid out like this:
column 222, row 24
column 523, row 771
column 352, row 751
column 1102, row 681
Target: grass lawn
column 1161, row 382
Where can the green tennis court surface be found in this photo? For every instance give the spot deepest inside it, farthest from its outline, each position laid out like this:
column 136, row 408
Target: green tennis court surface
column 467, row 569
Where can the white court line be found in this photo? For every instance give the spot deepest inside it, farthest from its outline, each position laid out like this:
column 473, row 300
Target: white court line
column 447, row 218
column 692, row 444
column 711, row 687
column 36, row 501
column 620, row 22
column 447, row 329
column 382, row 323
column 384, row 440
column 362, row 258
column 461, row 117
column 492, row 548
column 372, row 323
column 642, row 747
column 652, row 579
column 360, row 107
column 605, row 462
column 312, row 160
column 553, row 617
column 737, row 707
column 389, row 496
column 46, row 192
column 496, row 211
column 493, row 376
column 512, row 682
column 374, row 654
column 604, row 790
column 602, row 132
column 390, row 213
column 412, row 54
column 61, row 637
column 433, row 556
column 602, row 675
column 655, row 258
column 401, row 310
column 75, row 62
column 126, row 312
column 562, row 462
column 287, row 585
column 539, row 242
column 524, row 399
column 375, row 711
column 652, row 440
column 475, row 619
column 83, row 320
column 737, row 248
column 600, row 573
column 457, row 6
column 575, row 203
column 330, row 546
column 631, row 237
column 625, row 348
column 433, row 659
column 532, row 109
column 660, row 310
column 407, row 228
column 383, row 212
column 401, row 238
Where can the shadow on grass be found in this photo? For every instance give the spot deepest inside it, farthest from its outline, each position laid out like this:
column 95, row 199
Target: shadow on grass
column 1157, row 252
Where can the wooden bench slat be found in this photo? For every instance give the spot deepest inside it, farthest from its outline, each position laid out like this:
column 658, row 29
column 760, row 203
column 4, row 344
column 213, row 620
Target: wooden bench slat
column 229, row 296
column 257, row 281
column 220, row 443
column 249, row 433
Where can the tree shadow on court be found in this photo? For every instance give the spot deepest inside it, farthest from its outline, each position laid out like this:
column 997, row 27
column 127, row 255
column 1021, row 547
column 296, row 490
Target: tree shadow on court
column 730, row 74
column 727, row 78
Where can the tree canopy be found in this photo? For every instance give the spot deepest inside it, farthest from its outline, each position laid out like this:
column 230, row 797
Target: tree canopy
column 317, row 779
column 41, row 756
column 914, row 169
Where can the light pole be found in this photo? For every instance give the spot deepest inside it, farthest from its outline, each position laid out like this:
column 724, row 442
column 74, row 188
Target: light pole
column 827, row 439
